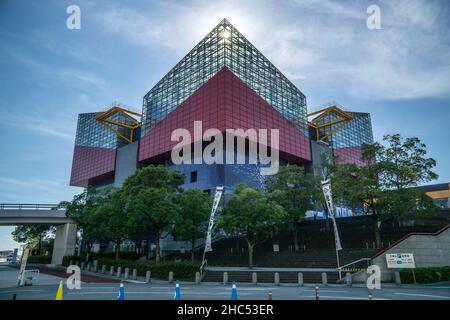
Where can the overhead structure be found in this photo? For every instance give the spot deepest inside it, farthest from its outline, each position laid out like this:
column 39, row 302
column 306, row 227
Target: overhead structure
column 121, row 121
column 327, row 121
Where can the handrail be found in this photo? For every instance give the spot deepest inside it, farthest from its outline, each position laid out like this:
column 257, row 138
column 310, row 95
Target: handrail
column 352, row 263
column 31, row 206
column 409, row 235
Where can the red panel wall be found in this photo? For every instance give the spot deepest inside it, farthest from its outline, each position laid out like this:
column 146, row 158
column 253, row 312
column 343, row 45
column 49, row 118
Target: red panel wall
column 92, row 164
column 349, row 155
column 225, row 102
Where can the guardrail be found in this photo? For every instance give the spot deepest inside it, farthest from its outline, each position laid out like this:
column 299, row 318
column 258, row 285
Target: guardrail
column 31, row 206
column 353, row 263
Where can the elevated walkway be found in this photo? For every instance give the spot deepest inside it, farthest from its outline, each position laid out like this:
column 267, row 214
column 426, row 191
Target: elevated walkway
column 15, row 214
column 32, row 214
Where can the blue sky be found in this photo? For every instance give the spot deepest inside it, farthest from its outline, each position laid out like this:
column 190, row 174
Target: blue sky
column 49, row 74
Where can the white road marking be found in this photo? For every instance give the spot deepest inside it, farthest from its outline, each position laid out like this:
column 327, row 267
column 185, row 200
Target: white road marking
column 330, row 291
column 19, row 291
column 251, row 289
column 345, row 298
column 151, row 292
column 422, row 295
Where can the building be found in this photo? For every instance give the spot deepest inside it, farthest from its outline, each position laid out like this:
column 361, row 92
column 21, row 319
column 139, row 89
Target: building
column 440, row 193
column 347, row 141
column 224, row 83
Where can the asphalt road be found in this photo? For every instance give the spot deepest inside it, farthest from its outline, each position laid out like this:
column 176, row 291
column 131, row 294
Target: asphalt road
column 48, row 285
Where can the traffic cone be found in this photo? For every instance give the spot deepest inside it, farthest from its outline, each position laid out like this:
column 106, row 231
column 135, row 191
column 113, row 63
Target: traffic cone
column 59, row 293
column 234, row 292
column 121, row 295
column 177, row 295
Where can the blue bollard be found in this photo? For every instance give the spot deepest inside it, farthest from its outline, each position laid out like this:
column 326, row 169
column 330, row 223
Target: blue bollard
column 177, row 295
column 121, row 295
column 234, row 292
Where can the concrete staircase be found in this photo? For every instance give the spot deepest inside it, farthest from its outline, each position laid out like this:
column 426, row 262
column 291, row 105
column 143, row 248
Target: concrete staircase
column 309, row 277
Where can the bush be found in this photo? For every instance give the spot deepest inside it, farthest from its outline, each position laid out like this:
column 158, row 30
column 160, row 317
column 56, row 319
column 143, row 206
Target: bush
column 181, row 270
column 40, row 259
column 95, row 256
column 66, row 260
column 426, row 275
column 126, row 255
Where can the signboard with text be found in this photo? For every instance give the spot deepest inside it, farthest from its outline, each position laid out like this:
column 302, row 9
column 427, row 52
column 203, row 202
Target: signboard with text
column 400, row 260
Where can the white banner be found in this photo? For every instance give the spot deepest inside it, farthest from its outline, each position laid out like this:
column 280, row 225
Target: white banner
column 23, row 265
column 216, row 201
column 326, row 187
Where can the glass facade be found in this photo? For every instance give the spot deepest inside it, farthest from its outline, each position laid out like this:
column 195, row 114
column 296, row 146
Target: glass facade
column 91, row 133
column 224, row 46
column 355, row 133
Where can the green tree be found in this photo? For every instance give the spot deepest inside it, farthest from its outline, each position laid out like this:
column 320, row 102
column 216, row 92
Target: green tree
column 110, row 219
column 151, row 193
column 404, row 162
column 82, row 210
column 194, row 208
column 253, row 215
column 384, row 186
column 297, row 192
column 32, row 235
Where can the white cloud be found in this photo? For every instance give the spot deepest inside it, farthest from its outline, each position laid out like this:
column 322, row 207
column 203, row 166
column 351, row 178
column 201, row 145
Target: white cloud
column 34, row 190
column 42, row 123
column 331, row 7
column 6, row 240
column 324, row 43
column 81, row 76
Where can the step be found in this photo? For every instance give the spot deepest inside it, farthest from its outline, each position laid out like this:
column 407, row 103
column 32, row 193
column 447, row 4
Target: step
column 268, row 277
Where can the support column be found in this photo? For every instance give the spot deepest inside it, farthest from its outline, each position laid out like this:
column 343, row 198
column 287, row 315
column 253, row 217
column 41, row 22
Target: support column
column 65, row 238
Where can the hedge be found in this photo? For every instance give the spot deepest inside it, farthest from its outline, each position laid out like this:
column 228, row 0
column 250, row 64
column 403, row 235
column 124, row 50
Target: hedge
column 95, row 256
column 40, row 259
column 182, row 270
column 112, row 255
column 426, row 275
column 66, row 260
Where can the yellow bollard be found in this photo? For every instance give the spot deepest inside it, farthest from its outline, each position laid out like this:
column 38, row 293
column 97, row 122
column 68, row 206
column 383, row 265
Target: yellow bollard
column 59, row 293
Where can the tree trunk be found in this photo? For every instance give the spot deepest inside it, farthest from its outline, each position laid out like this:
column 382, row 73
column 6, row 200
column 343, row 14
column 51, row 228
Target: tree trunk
column 376, row 231
column 117, row 249
column 192, row 249
column 40, row 246
column 158, row 248
column 147, row 245
column 296, row 246
column 250, row 255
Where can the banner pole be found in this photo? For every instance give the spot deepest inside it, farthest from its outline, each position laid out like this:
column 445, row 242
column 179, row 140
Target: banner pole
column 217, row 197
column 326, row 187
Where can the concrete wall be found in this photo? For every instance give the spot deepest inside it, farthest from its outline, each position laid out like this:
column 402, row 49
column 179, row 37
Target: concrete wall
column 16, row 217
column 429, row 250
column 65, row 239
column 317, row 149
column 126, row 162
